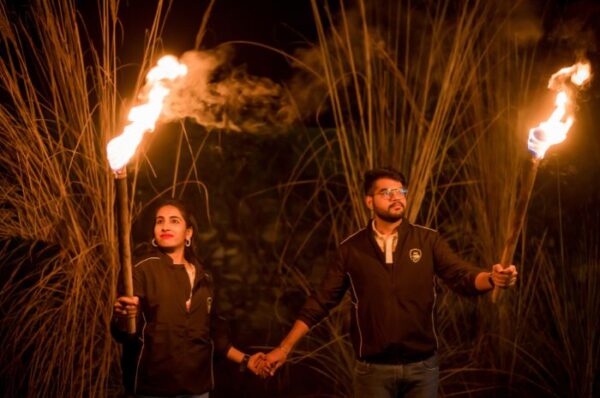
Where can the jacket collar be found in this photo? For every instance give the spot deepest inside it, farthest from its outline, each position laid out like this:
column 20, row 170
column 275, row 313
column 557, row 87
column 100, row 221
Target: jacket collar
column 401, row 230
column 167, row 260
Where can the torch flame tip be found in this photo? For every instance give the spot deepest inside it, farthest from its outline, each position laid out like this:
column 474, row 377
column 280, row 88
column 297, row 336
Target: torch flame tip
column 143, row 117
column 554, row 130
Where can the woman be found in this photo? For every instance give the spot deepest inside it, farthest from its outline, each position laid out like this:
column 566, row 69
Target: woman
column 178, row 331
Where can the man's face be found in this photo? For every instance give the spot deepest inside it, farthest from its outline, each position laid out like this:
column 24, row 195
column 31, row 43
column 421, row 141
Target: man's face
column 387, row 199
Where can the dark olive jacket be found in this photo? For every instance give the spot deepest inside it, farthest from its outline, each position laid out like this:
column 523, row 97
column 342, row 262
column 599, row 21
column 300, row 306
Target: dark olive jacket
column 393, row 305
column 173, row 354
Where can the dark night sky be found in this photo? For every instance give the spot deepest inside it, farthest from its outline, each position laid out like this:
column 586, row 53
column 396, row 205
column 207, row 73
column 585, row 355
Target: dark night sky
column 568, row 26
column 282, row 24
column 288, row 25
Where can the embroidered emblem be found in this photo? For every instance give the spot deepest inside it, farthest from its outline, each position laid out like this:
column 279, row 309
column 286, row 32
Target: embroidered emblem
column 415, row 255
column 208, row 304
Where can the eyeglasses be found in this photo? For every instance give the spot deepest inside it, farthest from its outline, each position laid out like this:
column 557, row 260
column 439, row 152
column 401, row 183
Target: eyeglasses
column 390, row 193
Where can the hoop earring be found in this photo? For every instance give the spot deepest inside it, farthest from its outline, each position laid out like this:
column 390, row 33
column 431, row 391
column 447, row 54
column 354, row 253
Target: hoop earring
column 154, row 242
column 188, row 242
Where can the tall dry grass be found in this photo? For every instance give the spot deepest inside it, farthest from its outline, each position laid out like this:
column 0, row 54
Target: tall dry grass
column 401, row 89
column 60, row 106
column 435, row 88
column 441, row 90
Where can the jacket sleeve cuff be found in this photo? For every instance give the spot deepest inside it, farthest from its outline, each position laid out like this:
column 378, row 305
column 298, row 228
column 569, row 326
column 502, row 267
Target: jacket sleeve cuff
column 308, row 321
column 223, row 349
column 312, row 313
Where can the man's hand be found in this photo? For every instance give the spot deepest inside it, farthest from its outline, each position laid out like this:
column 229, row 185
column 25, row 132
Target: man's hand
column 504, row 277
column 126, row 307
column 258, row 365
column 275, row 359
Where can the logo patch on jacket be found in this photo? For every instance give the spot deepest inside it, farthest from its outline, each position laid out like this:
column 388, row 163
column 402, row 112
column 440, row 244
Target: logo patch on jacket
column 415, row 255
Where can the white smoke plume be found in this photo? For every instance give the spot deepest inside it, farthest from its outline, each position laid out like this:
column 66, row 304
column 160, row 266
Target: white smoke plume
column 218, row 96
column 521, row 23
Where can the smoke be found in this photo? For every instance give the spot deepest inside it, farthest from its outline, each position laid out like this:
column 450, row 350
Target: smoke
column 523, row 24
column 308, row 86
column 397, row 32
column 218, row 96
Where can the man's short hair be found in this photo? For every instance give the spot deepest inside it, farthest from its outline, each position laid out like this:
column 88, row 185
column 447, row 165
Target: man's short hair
column 386, row 172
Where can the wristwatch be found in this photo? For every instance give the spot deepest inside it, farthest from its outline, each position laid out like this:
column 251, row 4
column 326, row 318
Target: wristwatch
column 244, row 363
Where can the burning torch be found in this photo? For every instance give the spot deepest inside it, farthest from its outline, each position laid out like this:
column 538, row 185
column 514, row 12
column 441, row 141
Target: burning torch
column 548, row 133
column 120, row 149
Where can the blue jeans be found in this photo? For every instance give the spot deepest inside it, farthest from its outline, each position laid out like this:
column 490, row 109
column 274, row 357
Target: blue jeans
column 411, row 380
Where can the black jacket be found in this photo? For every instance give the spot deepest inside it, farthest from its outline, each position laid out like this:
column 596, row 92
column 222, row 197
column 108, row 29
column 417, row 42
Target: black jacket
column 392, row 317
column 175, row 348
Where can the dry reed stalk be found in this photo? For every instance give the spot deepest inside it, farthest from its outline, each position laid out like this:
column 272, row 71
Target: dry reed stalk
column 61, row 107
column 407, row 91
column 517, row 218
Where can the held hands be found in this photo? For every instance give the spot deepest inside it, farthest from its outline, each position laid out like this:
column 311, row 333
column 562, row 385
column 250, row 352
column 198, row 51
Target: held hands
column 504, row 277
column 265, row 365
column 257, row 364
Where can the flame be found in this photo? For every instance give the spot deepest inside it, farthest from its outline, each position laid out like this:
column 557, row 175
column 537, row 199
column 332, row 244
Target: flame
column 582, row 74
column 555, row 129
column 143, row 117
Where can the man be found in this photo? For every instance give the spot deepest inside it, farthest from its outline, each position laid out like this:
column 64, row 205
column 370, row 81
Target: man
column 389, row 267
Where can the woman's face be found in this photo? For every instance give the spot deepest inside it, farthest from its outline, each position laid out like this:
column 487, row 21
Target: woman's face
column 170, row 230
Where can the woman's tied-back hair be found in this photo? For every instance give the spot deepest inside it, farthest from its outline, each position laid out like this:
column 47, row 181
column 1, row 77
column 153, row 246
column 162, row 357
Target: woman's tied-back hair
column 190, row 222
column 385, row 172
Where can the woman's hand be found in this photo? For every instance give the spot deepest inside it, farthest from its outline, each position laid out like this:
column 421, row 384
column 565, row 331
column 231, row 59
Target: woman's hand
column 126, row 307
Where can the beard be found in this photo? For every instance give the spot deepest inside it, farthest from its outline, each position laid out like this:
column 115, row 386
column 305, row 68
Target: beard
column 388, row 215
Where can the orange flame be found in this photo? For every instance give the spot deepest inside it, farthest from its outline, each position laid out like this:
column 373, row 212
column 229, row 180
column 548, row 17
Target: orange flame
column 143, row 117
column 555, row 129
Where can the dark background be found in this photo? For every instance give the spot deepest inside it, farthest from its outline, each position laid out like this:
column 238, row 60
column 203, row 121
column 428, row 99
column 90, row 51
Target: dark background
column 235, row 166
